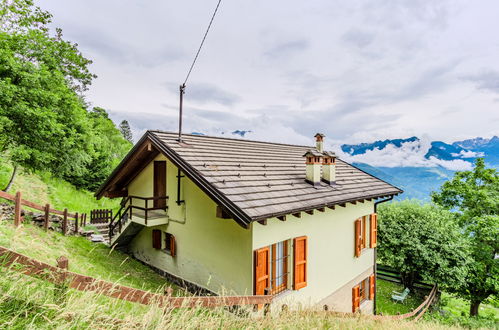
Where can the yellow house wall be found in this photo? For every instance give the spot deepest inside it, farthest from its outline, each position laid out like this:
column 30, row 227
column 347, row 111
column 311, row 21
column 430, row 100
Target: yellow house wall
column 213, row 253
column 330, row 235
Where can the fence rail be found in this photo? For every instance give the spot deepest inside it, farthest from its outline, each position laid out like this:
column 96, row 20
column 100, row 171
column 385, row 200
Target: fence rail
column 393, row 275
column 79, row 282
column 101, row 216
column 19, row 202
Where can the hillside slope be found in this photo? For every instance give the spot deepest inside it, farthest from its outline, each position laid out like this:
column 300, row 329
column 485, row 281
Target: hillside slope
column 43, row 188
column 27, row 303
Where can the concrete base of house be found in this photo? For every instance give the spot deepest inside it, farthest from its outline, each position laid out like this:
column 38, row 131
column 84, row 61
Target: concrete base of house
column 188, row 286
column 341, row 299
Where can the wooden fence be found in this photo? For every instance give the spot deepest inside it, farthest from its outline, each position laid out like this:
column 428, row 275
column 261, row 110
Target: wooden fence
column 101, row 216
column 390, row 274
column 59, row 275
column 66, row 216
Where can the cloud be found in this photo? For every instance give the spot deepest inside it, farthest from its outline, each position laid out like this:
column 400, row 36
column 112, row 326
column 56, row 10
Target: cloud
column 358, row 38
column 467, row 154
column 409, row 154
column 286, row 49
column 488, row 80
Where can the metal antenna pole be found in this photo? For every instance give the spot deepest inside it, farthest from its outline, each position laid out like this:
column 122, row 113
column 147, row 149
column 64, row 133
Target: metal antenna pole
column 182, row 92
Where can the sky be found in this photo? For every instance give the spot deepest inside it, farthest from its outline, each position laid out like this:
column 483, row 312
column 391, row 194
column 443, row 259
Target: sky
column 357, row 71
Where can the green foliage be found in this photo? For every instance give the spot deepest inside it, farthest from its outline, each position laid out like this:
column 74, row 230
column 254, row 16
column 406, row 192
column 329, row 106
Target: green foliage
column 44, row 124
column 42, row 119
column 422, row 242
column 126, row 131
column 109, row 148
column 474, row 197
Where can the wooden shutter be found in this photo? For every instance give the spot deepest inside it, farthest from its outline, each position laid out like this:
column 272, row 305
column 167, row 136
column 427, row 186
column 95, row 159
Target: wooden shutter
column 372, row 280
column 355, row 298
column 358, row 237
column 156, row 239
column 172, row 246
column 374, row 231
column 262, row 273
column 300, row 262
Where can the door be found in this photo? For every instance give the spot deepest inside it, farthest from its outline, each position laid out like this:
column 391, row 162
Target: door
column 262, row 270
column 159, row 183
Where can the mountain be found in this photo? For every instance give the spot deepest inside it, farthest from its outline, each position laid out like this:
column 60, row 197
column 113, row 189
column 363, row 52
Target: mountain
column 419, row 166
column 489, row 148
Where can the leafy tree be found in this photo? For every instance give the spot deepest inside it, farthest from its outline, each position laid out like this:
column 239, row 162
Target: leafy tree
column 42, row 117
column 109, row 148
column 422, row 242
column 474, row 197
column 126, row 131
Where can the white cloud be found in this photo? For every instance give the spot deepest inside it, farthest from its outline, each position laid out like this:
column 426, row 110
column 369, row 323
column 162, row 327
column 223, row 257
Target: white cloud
column 467, row 154
column 410, row 154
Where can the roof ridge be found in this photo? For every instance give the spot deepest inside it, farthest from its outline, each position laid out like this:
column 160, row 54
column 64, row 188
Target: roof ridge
column 232, row 139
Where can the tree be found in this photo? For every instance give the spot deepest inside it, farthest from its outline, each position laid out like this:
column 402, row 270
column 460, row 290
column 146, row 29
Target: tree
column 109, row 148
column 126, row 131
column 474, row 198
column 42, row 115
column 422, row 242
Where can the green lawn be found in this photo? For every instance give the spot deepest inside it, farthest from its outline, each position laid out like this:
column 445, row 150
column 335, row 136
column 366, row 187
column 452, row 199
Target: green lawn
column 384, row 303
column 450, row 311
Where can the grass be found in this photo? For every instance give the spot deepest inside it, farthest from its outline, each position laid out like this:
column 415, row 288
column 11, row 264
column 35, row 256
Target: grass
column 28, row 303
column 385, row 304
column 450, row 311
column 85, row 257
column 43, row 188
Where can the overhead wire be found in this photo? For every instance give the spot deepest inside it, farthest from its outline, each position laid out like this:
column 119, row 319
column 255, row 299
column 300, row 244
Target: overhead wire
column 202, row 42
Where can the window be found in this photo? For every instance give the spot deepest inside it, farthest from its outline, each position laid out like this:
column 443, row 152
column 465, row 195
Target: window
column 170, row 244
column 362, row 292
column 279, row 267
column 364, row 231
column 272, row 267
column 360, row 235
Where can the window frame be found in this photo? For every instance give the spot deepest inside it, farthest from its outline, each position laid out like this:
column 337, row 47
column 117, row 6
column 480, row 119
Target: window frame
column 169, row 241
column 274, row 288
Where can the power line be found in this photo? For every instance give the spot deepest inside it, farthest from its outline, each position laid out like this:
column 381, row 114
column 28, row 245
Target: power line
column 202, row 42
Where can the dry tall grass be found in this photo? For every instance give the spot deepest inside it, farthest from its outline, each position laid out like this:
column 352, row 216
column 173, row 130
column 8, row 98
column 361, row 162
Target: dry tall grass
column 29, row 303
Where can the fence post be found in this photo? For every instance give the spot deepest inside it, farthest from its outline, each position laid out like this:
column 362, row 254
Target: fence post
column 60, row 287
column 47, row 214
column 76, row 223
column 17, row 209
column 65, row 222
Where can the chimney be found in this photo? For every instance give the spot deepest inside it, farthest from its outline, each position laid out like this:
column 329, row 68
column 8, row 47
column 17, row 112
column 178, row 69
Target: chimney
column 329, row 167
column 313, row 161
column 319, row 138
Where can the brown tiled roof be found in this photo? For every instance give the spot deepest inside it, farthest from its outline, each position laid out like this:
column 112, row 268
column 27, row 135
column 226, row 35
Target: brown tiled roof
column 264, row 179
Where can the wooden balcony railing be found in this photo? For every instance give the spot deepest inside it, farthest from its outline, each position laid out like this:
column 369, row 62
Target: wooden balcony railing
column 125, row 213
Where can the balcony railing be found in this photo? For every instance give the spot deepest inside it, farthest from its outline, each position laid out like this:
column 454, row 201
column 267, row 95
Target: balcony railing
column 126, row 212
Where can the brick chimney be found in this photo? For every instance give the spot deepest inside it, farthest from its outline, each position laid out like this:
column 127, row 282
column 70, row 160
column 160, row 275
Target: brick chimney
column 329, row 167
column 319, row 138
column 313, row 161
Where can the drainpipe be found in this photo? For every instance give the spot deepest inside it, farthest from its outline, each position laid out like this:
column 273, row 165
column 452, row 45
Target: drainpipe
column 376, row 252
column 179, row 177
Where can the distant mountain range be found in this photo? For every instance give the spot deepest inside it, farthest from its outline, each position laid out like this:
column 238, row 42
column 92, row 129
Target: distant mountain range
column 419, row 167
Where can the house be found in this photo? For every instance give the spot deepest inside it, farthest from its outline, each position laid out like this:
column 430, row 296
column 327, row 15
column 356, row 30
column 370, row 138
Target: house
column 232, row 216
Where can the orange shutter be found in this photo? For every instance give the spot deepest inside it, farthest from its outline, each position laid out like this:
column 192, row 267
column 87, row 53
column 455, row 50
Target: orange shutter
column 172, row 246
column 372, row 280
column 300, row 262
column 355, row 298
column 358, row 237
column 374, row 230
column 156, row 239
column 262, row 270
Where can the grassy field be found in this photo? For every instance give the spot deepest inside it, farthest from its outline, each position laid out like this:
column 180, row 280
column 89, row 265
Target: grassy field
column 42, row 188
column 450, row 310
column 27, row 303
